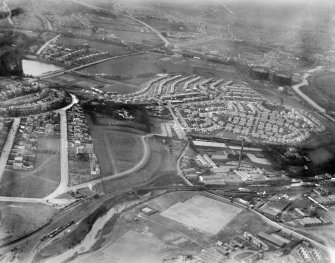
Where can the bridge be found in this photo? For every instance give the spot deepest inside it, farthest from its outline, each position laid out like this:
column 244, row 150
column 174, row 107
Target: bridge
column 64, row 71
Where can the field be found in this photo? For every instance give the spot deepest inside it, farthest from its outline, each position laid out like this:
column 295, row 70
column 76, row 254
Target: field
column 118, row 149
column 321, row 90
column 202, row 213
column 124, row 147
column 19, row 218
column 158, row 163
column 42, row 180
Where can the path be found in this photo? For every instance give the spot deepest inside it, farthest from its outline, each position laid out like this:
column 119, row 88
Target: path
column 226, row 7
column 46, row 44
column 304, row 82
column 311, row 102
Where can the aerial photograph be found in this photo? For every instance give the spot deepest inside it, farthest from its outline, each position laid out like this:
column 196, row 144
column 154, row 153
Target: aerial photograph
column 167, row 131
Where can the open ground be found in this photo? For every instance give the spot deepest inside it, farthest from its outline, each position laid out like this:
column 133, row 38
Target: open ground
column 112, row 146
column 19, row 218
column 40, row 181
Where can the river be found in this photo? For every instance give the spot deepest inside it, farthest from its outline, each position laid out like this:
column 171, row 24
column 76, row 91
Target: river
column 92, row 236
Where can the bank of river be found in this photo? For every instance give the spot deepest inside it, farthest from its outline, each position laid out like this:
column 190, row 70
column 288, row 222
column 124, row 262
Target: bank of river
column 92, row 237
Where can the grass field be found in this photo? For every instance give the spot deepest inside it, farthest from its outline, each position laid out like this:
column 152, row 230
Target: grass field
column 42, row 180
column 124, row 147
column 156, row 165
column 118, row 149
column 202, row 213
column 19, row 218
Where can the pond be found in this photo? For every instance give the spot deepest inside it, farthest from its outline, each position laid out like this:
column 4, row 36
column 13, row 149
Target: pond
column 36, row 68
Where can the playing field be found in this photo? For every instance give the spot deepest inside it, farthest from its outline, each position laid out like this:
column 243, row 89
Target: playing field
column 202, row 213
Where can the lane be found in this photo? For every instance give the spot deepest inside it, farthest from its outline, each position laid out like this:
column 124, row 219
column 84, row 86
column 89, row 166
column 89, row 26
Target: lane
column 46, row 44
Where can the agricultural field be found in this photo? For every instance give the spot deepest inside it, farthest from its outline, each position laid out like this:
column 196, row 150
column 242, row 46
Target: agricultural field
column 19, row 218
column 40, row 181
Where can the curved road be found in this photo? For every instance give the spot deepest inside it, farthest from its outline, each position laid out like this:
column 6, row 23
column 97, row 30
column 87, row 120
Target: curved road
column 139, row 165
column 311, row 102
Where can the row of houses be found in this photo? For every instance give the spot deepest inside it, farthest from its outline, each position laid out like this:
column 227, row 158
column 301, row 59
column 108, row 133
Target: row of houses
column 80, row 143
column 25, row 147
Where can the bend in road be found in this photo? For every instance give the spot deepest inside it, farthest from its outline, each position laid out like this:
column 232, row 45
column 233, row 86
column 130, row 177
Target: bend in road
column 64, row 163
column 311, row 102
column 46, row 44
column 139, row 165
